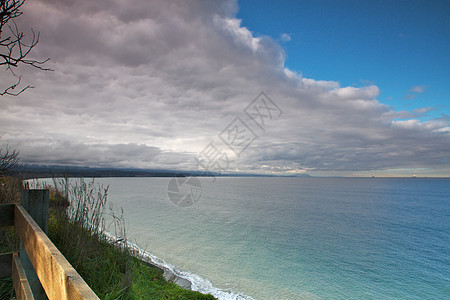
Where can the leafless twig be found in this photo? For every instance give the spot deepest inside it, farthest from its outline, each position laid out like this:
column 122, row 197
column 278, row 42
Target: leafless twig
column 14, row 49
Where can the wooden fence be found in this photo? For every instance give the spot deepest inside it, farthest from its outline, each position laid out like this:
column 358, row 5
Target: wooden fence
column 39, row 270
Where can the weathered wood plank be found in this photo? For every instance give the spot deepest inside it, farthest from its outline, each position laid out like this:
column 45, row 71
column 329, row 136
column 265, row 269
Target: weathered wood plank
column 6, row 215
column 36, row 203
column 20, row 282
column 5, row 265
column 58, row 277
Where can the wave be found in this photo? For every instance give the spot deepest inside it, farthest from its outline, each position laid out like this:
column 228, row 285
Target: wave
column 196, row 282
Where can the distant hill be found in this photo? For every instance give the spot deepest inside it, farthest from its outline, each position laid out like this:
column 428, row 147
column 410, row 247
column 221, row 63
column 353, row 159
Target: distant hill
column 42, row 171
column 45, row 171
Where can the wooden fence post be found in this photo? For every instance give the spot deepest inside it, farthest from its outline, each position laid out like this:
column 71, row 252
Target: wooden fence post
column 36, row 203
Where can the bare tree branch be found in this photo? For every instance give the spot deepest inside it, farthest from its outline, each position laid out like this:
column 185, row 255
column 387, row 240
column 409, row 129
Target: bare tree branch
column 9, row 161
column 12, row 87
column 14, row 49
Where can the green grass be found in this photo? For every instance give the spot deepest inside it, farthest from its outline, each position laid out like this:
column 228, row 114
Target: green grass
column 6, row 289
column 10, row 188
column 159, row 287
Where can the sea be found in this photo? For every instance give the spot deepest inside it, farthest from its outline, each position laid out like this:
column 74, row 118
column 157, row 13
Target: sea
column 295, row 238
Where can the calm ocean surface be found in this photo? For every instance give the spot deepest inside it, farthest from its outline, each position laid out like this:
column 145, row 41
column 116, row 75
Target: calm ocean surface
column 298, row 238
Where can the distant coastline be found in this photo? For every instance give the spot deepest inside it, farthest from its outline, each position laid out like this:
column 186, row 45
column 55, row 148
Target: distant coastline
column 48, row 171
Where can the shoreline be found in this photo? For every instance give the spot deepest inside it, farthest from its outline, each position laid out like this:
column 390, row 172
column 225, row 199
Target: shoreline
column 183, row 279
column 169, row 275
column 149, row 260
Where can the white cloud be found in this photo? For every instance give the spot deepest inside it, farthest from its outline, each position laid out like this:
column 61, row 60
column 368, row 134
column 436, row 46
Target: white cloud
column 240, row 35
column 370, row 92
column 151, row 84
column 414, row 91
column 418, row 89
column 443, row 130
column 408, row 124
column 424, row 110
column 285, row 37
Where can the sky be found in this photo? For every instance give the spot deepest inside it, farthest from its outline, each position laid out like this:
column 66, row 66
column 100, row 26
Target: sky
column 400, row 46
column 326, row 88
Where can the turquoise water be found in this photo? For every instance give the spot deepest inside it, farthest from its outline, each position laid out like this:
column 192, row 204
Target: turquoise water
column 298, row 238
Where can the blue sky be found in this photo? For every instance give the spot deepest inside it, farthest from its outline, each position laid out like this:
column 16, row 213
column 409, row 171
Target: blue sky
column 401, row 46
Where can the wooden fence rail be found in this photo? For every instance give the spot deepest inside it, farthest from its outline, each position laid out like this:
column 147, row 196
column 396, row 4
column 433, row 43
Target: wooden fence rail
column 58, row 278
